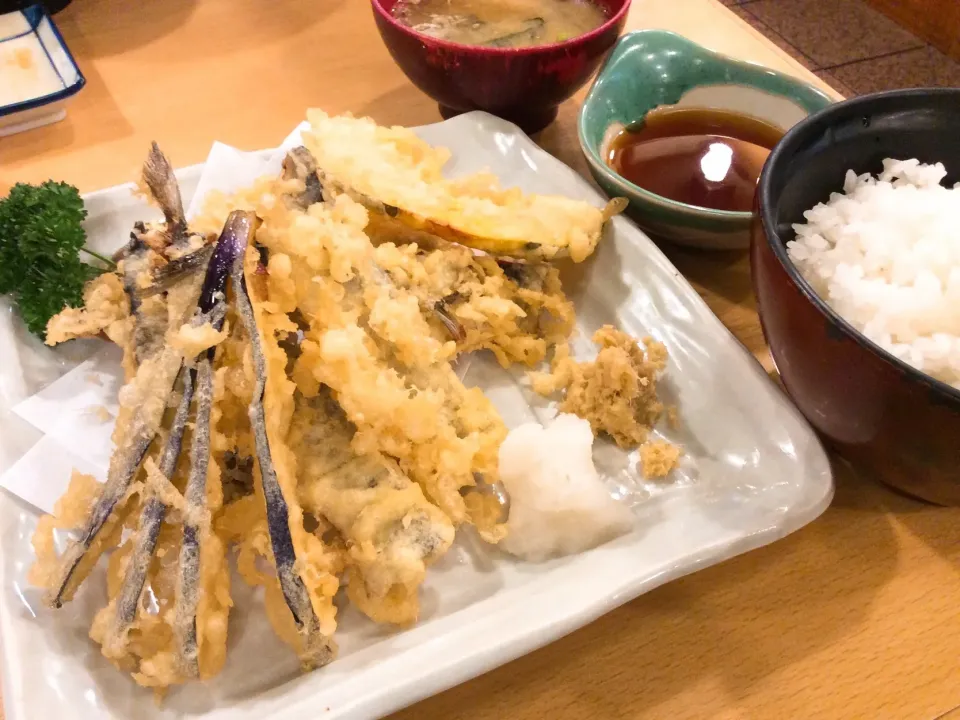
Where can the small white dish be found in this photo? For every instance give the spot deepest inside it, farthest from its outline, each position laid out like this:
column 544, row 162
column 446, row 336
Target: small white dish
column 37, row 72
column 755, row 472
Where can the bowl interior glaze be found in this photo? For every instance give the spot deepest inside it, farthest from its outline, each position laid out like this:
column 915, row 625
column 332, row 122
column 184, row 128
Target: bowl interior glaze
column 811, row 162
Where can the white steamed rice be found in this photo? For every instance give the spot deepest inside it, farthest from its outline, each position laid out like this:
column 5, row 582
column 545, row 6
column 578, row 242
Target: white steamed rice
column 885, row 255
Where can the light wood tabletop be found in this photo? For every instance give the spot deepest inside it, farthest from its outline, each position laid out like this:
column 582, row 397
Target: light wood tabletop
column 851, row 617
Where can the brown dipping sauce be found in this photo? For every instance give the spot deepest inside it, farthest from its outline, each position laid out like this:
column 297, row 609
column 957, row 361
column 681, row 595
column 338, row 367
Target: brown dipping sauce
column 699, row 156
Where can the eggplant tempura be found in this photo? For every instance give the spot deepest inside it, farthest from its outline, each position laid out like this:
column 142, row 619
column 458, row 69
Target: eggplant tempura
column 290, row 395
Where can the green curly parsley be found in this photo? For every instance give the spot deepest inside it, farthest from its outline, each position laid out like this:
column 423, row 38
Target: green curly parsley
column 41, row 238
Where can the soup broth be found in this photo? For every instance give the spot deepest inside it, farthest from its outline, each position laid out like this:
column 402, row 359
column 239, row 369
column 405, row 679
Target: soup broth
column 500, row 23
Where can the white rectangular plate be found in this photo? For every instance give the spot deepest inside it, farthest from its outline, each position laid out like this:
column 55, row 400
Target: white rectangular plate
column 754, row 473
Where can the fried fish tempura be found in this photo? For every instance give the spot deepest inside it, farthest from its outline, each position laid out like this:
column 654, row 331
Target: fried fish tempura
column 394, row 380
column 368, row 340
column 397, row 178
column 517, row 311
column 392, row 532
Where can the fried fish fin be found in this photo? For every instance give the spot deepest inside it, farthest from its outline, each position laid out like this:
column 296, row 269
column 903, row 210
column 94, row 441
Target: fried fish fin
column 159, row 178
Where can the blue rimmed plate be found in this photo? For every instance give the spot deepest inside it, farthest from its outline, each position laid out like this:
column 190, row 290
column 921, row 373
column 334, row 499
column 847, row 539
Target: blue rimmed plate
column 37, row 72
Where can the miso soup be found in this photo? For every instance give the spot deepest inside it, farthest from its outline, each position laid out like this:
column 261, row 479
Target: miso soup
column 500, row 23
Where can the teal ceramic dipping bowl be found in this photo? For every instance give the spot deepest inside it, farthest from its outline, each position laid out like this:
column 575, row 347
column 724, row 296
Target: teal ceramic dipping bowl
column 651, row 68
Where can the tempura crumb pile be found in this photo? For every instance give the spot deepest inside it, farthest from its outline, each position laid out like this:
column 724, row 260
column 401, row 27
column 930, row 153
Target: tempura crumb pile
column 616, row 393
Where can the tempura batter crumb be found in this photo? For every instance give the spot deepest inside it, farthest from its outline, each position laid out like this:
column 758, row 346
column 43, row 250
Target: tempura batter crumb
column 658, row 458
column 101, row 413
column 192, row 340
column 673, row 417
column 105, row 309
column 617, row 392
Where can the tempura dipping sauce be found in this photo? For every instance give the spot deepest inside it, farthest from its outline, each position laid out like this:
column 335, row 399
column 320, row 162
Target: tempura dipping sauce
column 700, row 156
column 500, row 23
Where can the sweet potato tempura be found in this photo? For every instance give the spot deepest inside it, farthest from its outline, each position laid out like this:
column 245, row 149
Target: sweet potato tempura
column 398, row 176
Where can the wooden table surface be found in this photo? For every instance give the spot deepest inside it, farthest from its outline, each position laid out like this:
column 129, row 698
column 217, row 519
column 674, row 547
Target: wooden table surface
column 850, row 617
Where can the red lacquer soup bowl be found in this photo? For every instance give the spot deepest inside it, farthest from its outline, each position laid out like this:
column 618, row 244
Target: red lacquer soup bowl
column 886, row 417
column 523, row 85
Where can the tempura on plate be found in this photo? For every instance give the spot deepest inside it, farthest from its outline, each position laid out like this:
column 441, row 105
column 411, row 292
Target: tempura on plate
column 290, row 393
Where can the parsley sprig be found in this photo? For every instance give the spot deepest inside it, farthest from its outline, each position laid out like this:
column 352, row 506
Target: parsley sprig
column 41, row 238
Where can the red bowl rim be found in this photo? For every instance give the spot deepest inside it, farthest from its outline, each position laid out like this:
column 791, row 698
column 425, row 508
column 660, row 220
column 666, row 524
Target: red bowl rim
column 502, row 52
column 778, row 245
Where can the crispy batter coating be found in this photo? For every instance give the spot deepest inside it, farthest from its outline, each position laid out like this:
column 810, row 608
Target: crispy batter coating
column 191, row 340
column 69, row 513
column 392, row 532
column 105, row 309
column 517, row 313
column 399, row 177
column 397, row 387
